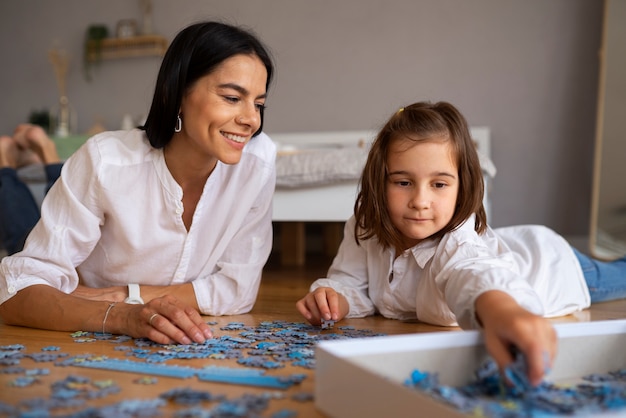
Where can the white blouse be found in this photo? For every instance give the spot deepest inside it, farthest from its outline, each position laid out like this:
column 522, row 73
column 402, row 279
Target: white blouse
column 114, row 217
column 438, row 282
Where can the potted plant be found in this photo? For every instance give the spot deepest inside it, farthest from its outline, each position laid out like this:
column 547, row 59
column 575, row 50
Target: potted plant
column 92, row 53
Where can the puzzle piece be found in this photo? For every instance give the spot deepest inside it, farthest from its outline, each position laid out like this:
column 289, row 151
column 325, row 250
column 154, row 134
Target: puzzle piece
column 187, row 396
column 327, row 323
column 146, row 380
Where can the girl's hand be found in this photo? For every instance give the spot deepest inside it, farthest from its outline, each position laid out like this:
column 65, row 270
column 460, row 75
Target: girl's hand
column 164, row 320
column 323, row 302
column 506, row 324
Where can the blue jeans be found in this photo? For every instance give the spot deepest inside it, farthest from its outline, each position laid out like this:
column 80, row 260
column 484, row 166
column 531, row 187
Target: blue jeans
column 606, row 280
column 19, row 211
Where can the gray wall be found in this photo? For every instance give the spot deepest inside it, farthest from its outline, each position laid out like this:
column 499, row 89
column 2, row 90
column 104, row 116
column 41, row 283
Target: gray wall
column 528, row 69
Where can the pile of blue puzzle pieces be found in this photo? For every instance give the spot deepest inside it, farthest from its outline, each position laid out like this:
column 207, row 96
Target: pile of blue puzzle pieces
column 270, row 345
column 490, row 396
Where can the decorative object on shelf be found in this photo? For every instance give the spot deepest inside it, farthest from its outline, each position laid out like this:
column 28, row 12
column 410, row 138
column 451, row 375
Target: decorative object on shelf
column 64, row 117
column 146, row 16
column 93, row 47
column 126, row 28
column 127, row 122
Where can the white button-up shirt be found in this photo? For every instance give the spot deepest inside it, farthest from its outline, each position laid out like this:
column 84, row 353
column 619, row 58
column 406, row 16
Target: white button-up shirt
column 114, row 217
column 438, row 281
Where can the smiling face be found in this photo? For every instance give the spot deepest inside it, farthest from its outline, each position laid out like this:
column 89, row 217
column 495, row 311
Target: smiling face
column 422, row 187
column 222, row 111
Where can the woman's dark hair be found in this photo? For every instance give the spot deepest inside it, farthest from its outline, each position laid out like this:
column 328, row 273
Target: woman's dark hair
column 195, row 52
column 423, row 121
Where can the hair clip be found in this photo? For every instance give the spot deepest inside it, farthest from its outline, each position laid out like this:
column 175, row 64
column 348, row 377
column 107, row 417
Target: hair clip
column 400, row 110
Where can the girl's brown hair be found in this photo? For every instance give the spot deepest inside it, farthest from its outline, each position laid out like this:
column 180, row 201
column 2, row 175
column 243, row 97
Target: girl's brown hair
column 422, row 121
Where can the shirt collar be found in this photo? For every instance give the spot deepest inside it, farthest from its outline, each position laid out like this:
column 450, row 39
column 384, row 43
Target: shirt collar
column 424, row 251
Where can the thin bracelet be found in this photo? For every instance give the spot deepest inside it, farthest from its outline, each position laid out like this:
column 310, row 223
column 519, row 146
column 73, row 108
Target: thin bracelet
column 104, row 321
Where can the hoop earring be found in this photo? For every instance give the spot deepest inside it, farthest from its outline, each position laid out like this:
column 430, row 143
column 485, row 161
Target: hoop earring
column 179, row 124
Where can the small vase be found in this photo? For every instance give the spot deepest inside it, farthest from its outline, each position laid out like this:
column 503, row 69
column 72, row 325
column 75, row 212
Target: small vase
column 63, row 119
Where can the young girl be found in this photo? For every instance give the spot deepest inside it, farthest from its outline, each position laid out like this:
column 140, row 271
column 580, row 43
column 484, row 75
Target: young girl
column 418, row 246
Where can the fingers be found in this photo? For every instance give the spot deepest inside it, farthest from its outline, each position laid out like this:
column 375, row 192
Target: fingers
column 169, row 320
column 9, row 153
column 307, row 306
column 500, row 350
column 314, row 306
column 539, row 363
column 540, row 351
column 508, row 326
column 19, row 135
column 531, row 335
column 322, row 303
column 322, row 300
column 334, row 303
column 154, row 315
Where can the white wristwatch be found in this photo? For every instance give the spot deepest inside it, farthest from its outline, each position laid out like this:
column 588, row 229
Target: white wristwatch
column 134, row 297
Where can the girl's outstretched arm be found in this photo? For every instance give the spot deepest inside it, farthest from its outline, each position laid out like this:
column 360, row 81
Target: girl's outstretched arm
column 507, row 325
column 323, row 303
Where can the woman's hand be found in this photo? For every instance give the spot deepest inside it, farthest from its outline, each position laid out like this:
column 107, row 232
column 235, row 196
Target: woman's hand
column 506, row 324
column 323, row 303
column 164, row 320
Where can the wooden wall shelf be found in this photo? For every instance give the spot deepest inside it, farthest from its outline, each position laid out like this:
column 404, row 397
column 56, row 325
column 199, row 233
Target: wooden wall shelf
column 136, row 46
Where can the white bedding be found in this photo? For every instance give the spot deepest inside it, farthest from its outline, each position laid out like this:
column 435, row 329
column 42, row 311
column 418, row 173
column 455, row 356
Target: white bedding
column 321, row 166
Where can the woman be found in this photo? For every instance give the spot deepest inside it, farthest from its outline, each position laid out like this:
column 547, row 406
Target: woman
column 174, row 219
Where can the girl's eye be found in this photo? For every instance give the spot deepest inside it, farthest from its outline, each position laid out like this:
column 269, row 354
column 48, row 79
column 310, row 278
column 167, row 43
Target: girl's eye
column 440, row 185
column 403, row 183
column 260, row 106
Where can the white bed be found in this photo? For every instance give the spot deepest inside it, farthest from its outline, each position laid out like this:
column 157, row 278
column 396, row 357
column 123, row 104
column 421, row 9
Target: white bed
column 323, row 198
column 328, row 194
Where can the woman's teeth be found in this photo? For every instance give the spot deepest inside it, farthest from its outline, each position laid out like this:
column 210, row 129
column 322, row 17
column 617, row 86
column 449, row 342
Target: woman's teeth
column 235, row 138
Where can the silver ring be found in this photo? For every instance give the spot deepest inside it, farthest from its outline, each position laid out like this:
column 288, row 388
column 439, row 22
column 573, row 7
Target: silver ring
column 152, row 317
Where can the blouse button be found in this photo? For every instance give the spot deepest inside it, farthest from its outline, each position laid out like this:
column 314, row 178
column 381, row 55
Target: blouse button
column 11, row 289
column 179, row 211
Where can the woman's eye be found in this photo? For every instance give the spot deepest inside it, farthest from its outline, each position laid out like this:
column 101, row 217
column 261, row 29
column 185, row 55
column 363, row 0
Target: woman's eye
column 231, row 99
column 260, row 106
